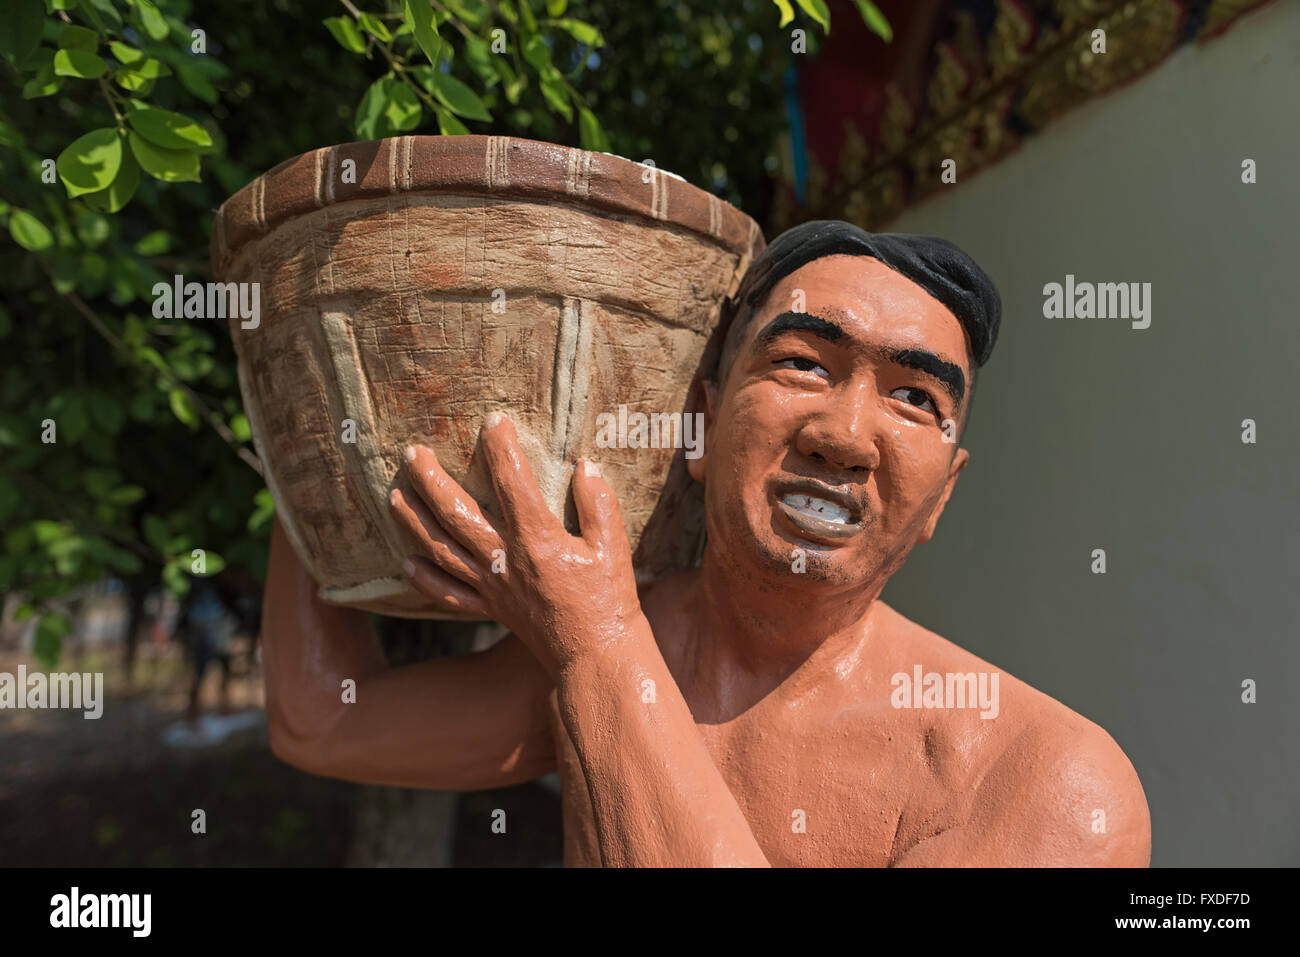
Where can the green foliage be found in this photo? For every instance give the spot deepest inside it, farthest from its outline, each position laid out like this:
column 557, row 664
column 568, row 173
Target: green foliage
column 123, row 442
column 421, row 62
column 874, row 19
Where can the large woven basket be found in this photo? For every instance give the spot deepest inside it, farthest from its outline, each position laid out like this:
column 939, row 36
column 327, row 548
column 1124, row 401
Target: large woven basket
column 380, row 264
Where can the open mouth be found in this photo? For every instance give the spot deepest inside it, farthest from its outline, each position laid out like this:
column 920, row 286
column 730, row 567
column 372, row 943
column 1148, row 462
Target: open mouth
column 818, row 512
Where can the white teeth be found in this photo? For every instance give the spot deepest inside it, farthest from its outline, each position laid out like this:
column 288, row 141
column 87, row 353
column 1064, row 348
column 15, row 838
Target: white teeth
column 817, row 507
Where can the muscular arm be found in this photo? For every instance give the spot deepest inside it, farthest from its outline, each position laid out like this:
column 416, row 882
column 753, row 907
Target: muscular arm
column 659, row 800
column 460, row 723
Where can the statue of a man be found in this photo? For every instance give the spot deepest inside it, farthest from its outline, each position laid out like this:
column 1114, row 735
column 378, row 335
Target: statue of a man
column 766, row 707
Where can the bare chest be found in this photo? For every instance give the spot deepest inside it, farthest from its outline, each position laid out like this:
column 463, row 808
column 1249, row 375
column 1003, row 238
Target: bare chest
column 818, row 788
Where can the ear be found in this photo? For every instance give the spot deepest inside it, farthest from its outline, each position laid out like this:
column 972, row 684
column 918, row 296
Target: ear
column 703, row 399
column 958, row 463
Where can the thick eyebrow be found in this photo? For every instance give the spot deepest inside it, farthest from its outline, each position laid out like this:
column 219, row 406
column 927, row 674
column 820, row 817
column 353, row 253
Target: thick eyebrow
column 954, row 382
column 800, row 322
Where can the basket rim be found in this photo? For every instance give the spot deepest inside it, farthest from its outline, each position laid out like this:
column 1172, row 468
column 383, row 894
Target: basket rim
column 493, row 166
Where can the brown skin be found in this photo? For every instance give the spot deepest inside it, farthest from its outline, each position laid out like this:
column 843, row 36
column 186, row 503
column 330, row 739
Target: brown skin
column 771, row 688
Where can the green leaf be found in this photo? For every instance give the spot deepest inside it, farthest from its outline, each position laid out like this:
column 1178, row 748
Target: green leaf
column 125, row 562
column 448, row 125
column 48, row 643
column 126, row 495
column 72, row 37
column 419, row 14
column 69, row 411
column 513, row 85
column 100, row 482
column 94, row 267
column 124, row 54
column 582, row 32
column 79, row 63
column 556, row 8
column 48, row 532
column 92, row 229
column 402, row 111
column 91, row 162
column 526, row 14
column 875, row 20
column 787, row 11
column 152, row 20
column 345, row 31
column 470, row 12
column 44, row 83
column 240, row 428
column 536, row 52
column 173, row 131
column 134, row 82
column 155, row 243
column 152, row 357
column 105, row 9
column 263, row 511
column 150, row 69
column 22, row 30
column 175, row 580
column 38, row 58
column 479, row 56
column 120, row 191
column 556, row 93
column 170, row 166
column 459, row 98
column 375, row 27
column 370, row 123
column 156, row 532
column 818, row 10
column 29, row 232
column 194, row 76
column 212, row 564
column 508, row 11
column 11, row 136
column 183, row 408
column 589, row 130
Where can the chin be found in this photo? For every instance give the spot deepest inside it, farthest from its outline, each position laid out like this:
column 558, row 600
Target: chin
column 832, row 567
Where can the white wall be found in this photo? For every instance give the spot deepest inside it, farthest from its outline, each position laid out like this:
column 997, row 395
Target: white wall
column 1090, row 434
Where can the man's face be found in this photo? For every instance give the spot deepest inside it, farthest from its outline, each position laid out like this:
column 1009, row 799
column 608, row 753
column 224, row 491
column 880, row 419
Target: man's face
column 828, row 431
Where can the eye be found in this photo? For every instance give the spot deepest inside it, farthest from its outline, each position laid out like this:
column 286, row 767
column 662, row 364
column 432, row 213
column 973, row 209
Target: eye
column 802, row 363
column 916, row 397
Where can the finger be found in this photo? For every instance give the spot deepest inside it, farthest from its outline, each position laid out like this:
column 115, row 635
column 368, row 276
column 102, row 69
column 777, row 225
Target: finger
column 446, row 592
column 600, row 519
column 522, row 505
column 453, row 508
column 415, row 517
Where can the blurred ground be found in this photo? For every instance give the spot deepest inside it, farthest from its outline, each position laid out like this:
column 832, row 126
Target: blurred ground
column 108, row 792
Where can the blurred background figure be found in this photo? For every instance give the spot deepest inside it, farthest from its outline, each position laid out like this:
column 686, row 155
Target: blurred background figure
column 217, row 627
column 209, row 627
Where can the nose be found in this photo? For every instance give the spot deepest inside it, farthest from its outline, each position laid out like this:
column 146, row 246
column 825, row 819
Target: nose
column 844, row 432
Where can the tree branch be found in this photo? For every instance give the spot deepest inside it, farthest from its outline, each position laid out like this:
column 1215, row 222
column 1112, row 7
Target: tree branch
column 209, row 415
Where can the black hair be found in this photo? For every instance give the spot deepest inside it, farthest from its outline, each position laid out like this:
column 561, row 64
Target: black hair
column 936, row 265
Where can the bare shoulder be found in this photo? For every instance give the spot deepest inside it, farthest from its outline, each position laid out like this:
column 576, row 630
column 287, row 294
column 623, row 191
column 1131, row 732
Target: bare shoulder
column 1047, row 786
